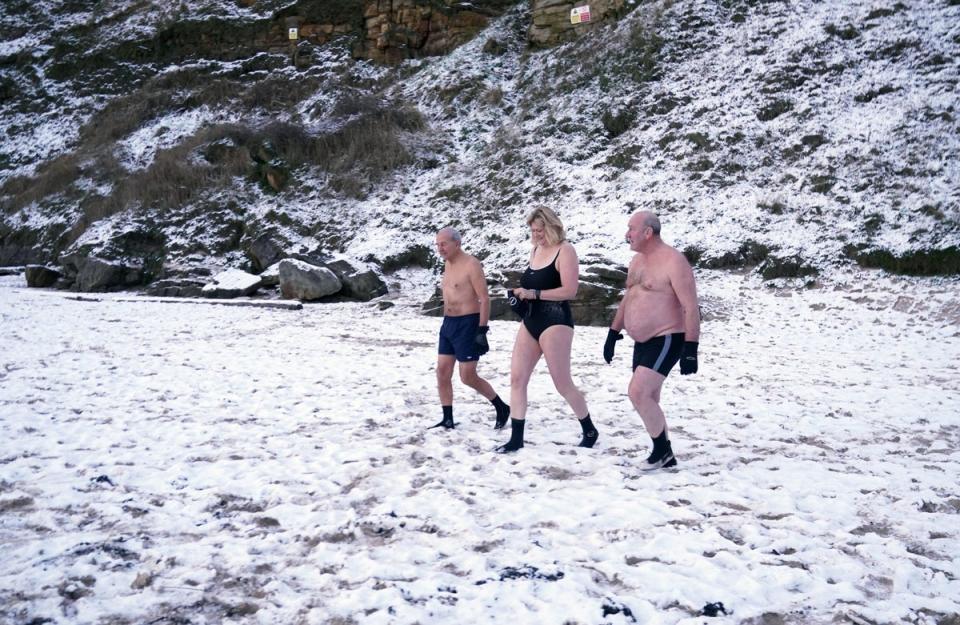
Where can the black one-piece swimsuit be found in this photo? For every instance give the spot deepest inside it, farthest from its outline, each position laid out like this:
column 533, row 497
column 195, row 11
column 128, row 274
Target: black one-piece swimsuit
column 542, row 314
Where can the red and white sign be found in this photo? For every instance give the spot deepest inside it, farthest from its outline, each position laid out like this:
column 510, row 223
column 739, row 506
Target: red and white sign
column 580, row 15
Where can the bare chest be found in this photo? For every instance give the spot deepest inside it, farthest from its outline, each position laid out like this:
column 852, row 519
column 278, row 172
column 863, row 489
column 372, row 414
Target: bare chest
column 646, row 277
column 455, row 282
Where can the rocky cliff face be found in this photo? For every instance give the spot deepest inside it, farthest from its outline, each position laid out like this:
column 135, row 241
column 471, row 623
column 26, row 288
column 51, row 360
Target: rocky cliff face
column 392, row 31
column 395, row 30
column 554, row 21
column 387, row 31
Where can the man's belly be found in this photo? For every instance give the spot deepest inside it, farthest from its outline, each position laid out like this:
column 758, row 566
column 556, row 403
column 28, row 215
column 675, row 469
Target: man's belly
column 648, row 314
column 460, row 308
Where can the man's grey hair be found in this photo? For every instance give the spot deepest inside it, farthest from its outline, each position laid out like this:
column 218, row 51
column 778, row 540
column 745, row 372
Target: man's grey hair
column 652, row 221
column 454, row 234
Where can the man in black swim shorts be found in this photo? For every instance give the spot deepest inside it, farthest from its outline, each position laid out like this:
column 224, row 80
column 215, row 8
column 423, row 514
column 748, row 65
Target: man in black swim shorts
column 659, row 311
column 463, row 333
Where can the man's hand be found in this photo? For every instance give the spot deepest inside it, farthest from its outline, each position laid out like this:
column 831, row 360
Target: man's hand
column 688, row 358
column 481, row 340
column 612, row 337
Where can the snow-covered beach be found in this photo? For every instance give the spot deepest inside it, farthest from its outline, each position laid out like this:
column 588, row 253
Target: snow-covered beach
column 184, row 463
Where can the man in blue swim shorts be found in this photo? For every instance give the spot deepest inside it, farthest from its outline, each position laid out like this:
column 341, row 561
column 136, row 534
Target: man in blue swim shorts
column 463, row 333
column 659, row 311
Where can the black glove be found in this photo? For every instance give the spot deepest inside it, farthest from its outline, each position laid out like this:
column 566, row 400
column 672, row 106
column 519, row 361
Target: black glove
column 481, row 340
column 688, row 358
column 612, row 337
column 517, row 305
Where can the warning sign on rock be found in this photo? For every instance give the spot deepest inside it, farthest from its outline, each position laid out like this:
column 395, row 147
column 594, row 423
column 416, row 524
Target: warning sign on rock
column 580, row 15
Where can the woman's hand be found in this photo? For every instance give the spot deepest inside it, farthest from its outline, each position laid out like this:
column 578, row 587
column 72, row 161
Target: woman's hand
column 523, row 293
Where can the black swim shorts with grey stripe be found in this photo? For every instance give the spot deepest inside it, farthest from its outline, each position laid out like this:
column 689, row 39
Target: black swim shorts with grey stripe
column 659, row 353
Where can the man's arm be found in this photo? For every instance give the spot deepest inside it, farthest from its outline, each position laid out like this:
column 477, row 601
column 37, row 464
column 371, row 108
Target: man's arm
column 685, row 287
column 479, row 283
column 617, row 324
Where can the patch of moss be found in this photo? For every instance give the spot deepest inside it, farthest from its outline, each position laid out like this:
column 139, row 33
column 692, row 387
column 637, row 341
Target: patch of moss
column 749, row 254
column 790, row 267
column 846, row 32
column 419, row 255
column 774, row 110
column 917, row 263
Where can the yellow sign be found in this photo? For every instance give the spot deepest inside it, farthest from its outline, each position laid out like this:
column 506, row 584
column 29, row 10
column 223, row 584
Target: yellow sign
column 293, row 34
column 580, row 15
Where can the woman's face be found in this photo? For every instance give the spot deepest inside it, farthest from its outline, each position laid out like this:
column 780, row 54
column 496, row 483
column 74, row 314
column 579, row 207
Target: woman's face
column 538, row 233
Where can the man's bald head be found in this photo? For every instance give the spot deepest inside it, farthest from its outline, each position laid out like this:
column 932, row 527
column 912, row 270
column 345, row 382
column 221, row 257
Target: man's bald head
column 647, row 219
column 450, row 233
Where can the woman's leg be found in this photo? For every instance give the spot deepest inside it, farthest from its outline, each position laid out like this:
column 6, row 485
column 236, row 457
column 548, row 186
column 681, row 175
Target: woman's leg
column 556, row 342
column 526, row 354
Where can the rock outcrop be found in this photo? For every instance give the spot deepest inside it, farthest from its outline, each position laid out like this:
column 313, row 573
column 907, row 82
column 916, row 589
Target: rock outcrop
column 41, row 276
column 358, row 284
column 303, row 281
column 551, row 23
column 395, row 30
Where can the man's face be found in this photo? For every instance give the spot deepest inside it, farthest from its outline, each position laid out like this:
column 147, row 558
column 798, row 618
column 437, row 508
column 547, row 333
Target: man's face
column 446, row 245
column 637, row 232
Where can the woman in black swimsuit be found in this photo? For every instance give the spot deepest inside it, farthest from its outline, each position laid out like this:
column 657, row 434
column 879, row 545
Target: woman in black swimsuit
column 548, row 285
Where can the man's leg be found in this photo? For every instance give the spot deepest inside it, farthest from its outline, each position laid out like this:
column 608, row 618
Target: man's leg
column 644, row 393
column 470, row 377
column 445, row 388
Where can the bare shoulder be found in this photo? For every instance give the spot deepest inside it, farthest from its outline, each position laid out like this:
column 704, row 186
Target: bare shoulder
column 567, row 249
column 677, row 259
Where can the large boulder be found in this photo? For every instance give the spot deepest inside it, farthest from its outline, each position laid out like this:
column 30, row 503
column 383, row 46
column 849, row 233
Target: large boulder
column 595, row 304
column 176, row 287
column 99, row 274
column 361, row 285
column 271, row 275
column 41, row 276
column 231, row 283
column 265, row 250
column 303, row 281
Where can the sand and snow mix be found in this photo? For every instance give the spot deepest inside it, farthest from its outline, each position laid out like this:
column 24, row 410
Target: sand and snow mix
column 185, row 463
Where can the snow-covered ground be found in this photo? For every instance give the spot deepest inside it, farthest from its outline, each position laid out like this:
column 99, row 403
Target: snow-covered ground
column 186, row 463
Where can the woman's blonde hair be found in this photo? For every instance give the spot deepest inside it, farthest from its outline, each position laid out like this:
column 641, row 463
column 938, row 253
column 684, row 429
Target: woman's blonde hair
column 552, row 226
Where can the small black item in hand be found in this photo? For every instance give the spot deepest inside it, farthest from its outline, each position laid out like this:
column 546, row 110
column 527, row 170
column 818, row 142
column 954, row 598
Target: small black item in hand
column 481, row 340
column 611, row 344
column 714, row 609
column 517, row 305
column 688, row 358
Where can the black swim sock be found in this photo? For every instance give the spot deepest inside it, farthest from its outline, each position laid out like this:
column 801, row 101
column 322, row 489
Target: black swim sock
column 447, row 418
column 662, row 454
column 503, row 412
column 516, row 437
column 660, row 443
column 590, row 433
